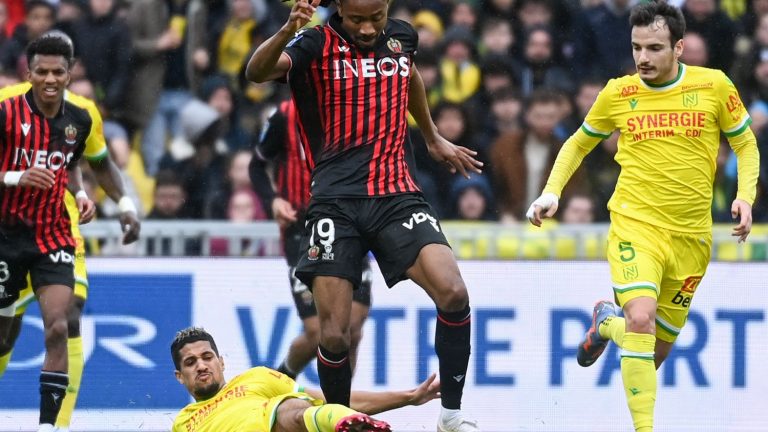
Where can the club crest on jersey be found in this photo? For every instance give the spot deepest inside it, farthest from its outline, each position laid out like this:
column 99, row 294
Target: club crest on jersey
column 690, row 99
column 70, row 135
column 313, row 253
column 394, row 45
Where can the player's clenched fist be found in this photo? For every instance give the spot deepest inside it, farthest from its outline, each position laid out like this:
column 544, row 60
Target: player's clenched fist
column 301, row 14
column 36, row 177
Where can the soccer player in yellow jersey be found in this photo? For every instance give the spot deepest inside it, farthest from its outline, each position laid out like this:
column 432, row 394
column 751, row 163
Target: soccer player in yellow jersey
column 670, row 117
column 108, row 176
column 265, row 400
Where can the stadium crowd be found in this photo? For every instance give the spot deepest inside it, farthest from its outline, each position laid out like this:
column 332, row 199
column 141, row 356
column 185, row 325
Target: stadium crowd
column 511, row 79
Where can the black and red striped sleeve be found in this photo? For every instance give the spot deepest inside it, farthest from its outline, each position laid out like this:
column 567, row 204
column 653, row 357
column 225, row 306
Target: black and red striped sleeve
column 305, row 47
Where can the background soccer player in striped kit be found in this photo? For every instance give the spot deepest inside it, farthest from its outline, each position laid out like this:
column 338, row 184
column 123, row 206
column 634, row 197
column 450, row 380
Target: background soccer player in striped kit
column 42, row 139
column 109, row 178
column 354, row 82
column 280, row 151
column 670, row 116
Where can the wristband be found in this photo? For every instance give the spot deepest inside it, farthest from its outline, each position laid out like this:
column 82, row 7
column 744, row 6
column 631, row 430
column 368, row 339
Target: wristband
column 81, row 194
column 12, row 178
column 126, row 205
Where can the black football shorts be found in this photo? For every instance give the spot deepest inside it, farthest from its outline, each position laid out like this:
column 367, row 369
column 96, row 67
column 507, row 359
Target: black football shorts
column 20, row 255
column 340, row 231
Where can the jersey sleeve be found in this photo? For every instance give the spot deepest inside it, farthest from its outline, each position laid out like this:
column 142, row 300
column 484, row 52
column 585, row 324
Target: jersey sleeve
column 734, row 118
column 599, row 122
column 95, row 144
column 306, row 46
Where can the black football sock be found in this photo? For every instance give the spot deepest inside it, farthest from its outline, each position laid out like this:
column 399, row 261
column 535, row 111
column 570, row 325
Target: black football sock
column 452, row 339
column 53, row 388
column 335, row 375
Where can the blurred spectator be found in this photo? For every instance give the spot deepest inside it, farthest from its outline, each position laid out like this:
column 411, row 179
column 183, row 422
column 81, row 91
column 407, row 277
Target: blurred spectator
column 703, row 17
column 69, row 12
column 600, row 40
column 696, row 52
column 196, row 156
column 169, row 204
column 237, row 179
column 237, row 42
column 522, row 160
column 169, row 56
column 496, row 37
column 459, row 74
column 169, row 197
column 749, row 72
column 539, row 67
column 216, row 92
column 103, row 44
column 534, row 13
column 244, row 206
column 464, row 15
column 501, row 9
column 472, row 199
column 578, row 209
column 747, row 23
column 429, row 27
column 14, row 11
column 40, row 17
column 498, row 74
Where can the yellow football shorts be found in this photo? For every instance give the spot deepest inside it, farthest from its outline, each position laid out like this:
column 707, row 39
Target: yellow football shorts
column 26, row 296
column 648, row 261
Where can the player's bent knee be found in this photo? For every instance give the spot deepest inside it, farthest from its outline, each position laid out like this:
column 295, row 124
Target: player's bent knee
column 56, row 330
column 454, row 297
column 641, row 322
column 335, row 341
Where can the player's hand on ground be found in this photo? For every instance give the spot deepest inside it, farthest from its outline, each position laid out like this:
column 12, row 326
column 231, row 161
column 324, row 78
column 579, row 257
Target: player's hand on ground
column 38, row 178
column 301, row 14
column 459, row 159
column 543, row 207
column 426, row 391
column 283, row 212
column 742, row 211
column 87, row 209
column 131, row 227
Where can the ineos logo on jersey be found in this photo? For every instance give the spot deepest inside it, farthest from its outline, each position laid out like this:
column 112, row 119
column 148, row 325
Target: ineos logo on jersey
column 55, row 160
column 61, row 256
column 371, row 68
column 417, row 218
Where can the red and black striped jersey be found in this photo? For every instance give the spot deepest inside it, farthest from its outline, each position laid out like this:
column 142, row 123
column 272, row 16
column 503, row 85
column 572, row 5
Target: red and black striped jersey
column 353, row 107
column 30, row 139
column 281, row 144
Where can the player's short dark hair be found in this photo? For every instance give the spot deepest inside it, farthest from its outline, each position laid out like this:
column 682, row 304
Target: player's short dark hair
column 645, row 13
column 50, row 44
column 187, row 336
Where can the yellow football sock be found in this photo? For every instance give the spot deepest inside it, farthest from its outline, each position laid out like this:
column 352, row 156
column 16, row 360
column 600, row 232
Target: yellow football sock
column 613, row 328
column 75, row 349
column 324, row 418
column 4, row 360
column 639, row 374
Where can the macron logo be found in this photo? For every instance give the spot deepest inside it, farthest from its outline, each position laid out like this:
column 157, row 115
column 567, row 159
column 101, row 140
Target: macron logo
column 25, row 128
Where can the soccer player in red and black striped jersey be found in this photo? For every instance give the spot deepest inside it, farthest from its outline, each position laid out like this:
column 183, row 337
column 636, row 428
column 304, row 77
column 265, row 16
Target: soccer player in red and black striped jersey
column 354, row 82
column 280, row 149
column 41, row 140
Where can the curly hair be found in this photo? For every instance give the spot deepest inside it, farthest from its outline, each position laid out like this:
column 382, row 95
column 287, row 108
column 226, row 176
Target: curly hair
column 50, row 44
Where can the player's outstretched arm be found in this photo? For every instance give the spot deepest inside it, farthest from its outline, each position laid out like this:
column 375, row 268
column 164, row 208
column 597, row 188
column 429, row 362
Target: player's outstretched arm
column 85, row 206
column 377, row 402
column 268, row 62
column 459, row 159
column 109, row 178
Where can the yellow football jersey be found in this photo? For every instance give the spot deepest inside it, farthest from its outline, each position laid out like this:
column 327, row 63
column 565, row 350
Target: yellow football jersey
column 247, row 403
column 668, row 144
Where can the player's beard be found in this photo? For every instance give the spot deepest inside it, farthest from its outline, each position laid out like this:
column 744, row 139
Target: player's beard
column 207, row 392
